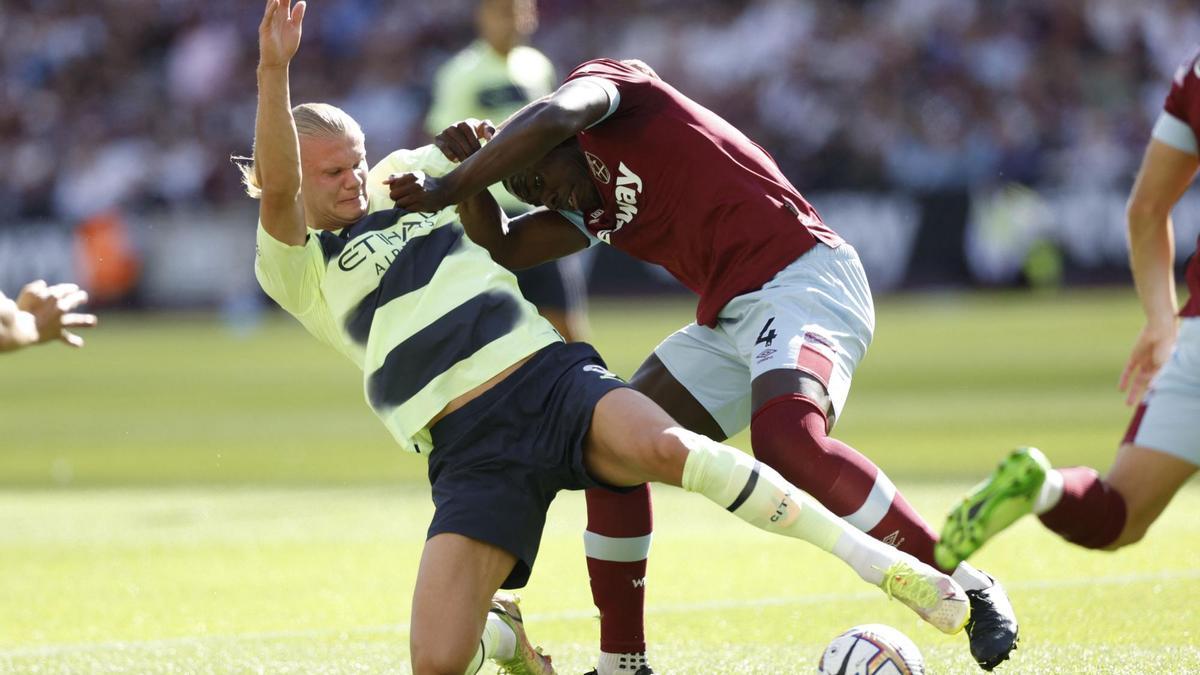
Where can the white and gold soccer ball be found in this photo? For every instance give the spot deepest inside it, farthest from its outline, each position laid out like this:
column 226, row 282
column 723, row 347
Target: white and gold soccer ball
column 872, row 649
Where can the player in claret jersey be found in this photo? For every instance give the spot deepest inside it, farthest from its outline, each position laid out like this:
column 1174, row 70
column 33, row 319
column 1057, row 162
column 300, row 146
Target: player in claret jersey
column 1161, row 449
column 619, row 156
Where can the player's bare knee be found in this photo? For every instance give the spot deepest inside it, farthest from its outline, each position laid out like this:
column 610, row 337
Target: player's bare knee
column 669, row 449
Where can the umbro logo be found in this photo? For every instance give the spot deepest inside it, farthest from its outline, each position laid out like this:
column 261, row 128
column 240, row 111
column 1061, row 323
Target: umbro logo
column 893, row 539
column 598, row 169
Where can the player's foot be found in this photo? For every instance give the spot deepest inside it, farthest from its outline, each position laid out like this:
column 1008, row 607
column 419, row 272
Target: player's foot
column 991, row 506
column 992, row 627
column 642, row 670
column 526, row 659
column 934, row 596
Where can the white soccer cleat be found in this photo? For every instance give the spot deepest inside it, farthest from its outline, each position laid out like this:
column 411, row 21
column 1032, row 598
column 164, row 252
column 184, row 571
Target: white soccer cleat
column 934, row 596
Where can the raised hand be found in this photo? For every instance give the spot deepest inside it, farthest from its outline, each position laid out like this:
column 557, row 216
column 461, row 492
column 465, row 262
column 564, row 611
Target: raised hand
column 279, row 33
column 462, row 139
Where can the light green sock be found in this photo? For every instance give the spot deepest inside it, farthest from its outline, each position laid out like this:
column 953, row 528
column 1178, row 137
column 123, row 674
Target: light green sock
column 757, row 494
column 497, row 643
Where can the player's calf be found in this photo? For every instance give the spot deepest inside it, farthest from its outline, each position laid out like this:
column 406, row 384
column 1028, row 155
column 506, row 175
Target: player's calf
column 617, row 543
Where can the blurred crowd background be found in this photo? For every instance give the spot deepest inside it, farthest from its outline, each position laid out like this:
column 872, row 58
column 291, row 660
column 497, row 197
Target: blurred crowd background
column 137, row 105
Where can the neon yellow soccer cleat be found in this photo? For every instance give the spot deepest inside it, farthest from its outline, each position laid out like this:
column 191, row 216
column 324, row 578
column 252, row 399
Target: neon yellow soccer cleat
column 992, row 505
column 934, row 596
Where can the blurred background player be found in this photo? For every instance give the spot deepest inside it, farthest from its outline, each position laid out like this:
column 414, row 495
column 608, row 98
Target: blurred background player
column 493, row 77
column 1161, row 448
column 42, row 313
column 785, row 311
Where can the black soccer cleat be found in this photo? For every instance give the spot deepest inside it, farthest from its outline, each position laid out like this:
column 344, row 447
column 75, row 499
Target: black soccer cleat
column 643, row 670
column 992, row 627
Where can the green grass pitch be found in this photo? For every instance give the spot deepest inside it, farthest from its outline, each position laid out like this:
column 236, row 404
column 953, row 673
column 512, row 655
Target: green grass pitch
column 179, row 498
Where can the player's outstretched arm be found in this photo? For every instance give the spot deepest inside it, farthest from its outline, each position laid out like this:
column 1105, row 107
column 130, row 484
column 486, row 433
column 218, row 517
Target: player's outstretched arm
column 276, row 143
column 1165, row 174
column 524, row 138
column 43, row 313
column 528, row 240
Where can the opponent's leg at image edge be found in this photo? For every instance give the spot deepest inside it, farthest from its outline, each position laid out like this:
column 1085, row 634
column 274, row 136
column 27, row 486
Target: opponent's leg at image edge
column 991, row 506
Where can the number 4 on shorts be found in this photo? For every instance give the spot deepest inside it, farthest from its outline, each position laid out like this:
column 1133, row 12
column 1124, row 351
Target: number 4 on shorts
column 767, row 334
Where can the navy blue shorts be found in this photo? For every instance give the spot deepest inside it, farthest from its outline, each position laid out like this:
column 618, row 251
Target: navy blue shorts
column 498, row 461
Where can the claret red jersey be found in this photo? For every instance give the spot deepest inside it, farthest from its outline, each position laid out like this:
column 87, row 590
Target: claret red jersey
column 684, row 189
column 1183, row 104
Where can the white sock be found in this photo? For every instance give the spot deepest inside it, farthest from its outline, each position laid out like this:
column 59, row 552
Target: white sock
column 502, row 639
column 866, row 558
column 757, row 494
column 497, row 643
column 616, row 664
column 1051, row 492
column 970, row 578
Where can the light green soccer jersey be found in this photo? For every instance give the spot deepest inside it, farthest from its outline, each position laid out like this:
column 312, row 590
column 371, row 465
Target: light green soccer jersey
column 425, row 313
column 479, row 82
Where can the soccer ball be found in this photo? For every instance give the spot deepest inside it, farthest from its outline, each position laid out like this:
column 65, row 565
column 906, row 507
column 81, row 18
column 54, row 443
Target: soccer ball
column 872, row 649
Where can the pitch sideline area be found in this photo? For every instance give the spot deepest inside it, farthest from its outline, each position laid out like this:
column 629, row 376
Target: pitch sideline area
column 317, row 580
column 182, row 497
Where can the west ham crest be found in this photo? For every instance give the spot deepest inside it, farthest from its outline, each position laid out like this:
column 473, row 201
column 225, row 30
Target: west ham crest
column 598, row 169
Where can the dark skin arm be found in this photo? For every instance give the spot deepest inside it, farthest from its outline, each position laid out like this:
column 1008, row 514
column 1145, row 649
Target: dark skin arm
column 526, row 241
column 527, row 136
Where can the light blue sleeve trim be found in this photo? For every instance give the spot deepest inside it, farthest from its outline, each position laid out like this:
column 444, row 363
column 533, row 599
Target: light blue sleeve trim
column 1175, row 133
column 576, row 219
column 614, row 96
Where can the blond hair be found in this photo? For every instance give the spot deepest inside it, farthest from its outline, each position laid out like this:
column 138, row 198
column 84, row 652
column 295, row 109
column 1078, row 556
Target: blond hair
column 312, row 120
